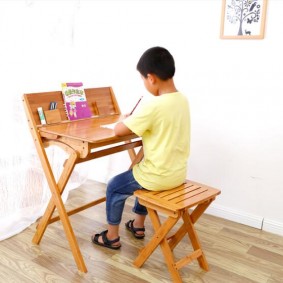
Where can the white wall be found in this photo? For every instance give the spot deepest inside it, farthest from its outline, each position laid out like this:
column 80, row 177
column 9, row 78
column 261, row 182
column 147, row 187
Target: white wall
column 234, row 86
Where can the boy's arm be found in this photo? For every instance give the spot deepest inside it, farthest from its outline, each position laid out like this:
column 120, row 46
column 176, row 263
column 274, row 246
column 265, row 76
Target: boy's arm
column 121, row 129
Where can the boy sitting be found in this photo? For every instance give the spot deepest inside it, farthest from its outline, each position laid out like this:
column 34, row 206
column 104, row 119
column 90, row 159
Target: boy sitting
column 164, row 125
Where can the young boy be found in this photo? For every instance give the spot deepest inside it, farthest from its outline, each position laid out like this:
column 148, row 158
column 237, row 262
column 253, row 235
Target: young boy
column 164, row 125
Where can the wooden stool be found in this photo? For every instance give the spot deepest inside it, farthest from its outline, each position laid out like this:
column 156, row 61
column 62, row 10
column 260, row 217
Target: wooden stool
column 175, row 203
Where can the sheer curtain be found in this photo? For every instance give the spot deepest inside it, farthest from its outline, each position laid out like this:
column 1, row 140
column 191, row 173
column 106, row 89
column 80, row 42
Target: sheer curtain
column 24, row 192
column 34, row 35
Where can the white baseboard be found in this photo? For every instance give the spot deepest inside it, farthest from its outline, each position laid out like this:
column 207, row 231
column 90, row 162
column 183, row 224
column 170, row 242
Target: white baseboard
column 236, row 216
column 255, row 221
column 272, row 226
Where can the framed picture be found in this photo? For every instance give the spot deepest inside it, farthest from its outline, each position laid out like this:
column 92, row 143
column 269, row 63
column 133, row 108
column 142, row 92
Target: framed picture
column 243, row 19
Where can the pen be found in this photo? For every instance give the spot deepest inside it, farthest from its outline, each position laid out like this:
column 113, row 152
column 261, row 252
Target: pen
column 53, row 105
column 136, row 105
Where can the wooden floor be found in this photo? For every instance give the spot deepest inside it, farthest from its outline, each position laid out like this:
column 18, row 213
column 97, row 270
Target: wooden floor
column 235, row 253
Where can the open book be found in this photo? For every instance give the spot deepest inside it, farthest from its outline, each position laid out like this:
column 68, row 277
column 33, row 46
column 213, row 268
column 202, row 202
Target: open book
column 110, row 126
column 75, row 101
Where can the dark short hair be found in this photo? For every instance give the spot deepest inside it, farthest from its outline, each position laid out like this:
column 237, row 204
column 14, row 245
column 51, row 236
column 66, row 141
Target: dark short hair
column 157, row 61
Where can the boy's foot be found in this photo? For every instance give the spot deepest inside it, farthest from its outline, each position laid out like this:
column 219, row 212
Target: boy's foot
column 137, row 232
column 105, row 242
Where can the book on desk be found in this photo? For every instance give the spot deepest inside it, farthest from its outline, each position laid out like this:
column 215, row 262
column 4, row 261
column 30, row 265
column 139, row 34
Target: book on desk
column 75, row 101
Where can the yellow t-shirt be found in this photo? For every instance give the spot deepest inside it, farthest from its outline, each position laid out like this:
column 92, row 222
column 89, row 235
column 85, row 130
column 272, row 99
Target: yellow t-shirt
column 164, row 125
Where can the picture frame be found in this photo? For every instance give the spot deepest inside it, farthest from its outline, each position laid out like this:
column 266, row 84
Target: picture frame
column 243, row 19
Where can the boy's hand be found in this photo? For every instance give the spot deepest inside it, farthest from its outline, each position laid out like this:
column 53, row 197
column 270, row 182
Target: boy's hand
column 124, row 116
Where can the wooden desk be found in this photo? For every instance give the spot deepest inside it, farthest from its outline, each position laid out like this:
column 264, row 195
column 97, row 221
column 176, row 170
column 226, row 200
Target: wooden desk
column 82, row 140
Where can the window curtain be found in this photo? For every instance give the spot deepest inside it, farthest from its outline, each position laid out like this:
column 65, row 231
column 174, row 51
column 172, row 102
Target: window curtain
column 24, row 192
column 29, row 62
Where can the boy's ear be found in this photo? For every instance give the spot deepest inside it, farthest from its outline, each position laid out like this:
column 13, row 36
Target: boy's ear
column 151, row 78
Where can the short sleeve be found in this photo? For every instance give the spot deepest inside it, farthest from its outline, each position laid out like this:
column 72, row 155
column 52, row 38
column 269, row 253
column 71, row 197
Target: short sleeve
column 141, row 121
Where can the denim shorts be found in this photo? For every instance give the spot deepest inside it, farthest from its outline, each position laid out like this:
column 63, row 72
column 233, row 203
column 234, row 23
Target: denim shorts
column 119, row 188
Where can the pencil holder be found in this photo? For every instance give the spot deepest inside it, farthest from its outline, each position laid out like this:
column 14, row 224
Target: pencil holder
column 52, row 116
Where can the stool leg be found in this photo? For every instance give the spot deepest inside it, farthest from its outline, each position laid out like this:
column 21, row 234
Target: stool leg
column 174, row 240
column 182, row 231
column 200, row 209
column 195, row 240
column 159, row 239
column 160, row 233
column 170, row 260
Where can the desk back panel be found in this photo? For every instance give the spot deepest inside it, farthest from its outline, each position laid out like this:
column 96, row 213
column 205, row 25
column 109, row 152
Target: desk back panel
column 101, row 101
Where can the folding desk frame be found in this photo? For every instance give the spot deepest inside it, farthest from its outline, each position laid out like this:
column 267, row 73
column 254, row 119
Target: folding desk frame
column 82, row 140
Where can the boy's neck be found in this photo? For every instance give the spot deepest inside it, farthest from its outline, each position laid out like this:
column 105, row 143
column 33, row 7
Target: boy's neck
column 167, row 86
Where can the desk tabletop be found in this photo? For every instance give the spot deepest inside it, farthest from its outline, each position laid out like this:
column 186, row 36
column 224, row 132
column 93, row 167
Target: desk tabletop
column 89, row 130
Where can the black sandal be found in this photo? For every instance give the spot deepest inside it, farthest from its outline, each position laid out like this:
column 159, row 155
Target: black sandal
column 130, row 226
column 106, row 243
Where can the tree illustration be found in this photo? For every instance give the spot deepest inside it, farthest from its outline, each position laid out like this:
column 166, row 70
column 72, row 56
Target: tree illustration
column 243, row 11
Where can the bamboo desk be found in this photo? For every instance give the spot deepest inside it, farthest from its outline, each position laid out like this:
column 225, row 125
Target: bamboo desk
column 82, row 140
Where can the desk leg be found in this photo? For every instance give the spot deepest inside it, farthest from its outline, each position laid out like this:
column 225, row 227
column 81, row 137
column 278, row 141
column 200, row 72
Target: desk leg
column 137, row 158
column 44, row 221
column 56, row 201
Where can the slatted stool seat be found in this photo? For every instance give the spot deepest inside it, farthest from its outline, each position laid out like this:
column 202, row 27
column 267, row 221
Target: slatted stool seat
column 175, row 204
